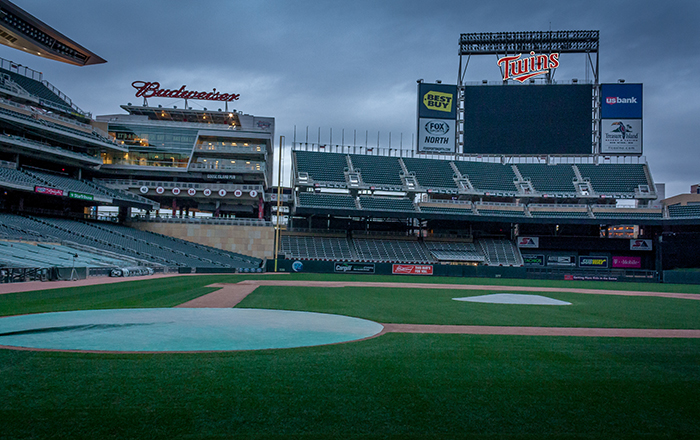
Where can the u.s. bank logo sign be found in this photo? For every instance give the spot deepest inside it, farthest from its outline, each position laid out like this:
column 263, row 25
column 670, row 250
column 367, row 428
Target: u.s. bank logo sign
column 621, row 101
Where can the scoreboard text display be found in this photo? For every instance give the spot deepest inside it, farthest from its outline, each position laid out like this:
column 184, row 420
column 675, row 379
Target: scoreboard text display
column 528, row 119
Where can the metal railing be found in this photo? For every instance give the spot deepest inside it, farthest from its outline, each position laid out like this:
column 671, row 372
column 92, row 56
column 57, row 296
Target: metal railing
column 201, row 220
column 375, row 150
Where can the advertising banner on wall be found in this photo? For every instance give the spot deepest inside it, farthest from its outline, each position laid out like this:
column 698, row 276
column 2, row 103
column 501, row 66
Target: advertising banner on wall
column 561, row 260
column 627, row 262
column 343, row 267
column 533, row 260
column 640, row 245
column 594, row 262
column 529, row 242
column 412, row 269
column 49, row 191
column 437, row 116
column 621, row 136
column 621, row 101
column 436, row 136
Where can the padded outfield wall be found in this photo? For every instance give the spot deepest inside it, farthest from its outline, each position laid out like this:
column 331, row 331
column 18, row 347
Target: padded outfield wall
column 253, row 241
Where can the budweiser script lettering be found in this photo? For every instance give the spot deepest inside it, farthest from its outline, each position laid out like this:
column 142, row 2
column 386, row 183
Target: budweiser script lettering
column 152, row 90
column 523, row 69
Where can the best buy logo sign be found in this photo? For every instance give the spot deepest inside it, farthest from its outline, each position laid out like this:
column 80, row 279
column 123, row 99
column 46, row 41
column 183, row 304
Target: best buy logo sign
column 439, row 101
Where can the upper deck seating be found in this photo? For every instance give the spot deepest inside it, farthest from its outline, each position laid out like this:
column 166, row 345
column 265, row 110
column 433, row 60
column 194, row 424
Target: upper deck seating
column 378, row 170
column 322, row 167
column 550, row 213
column 679, row 211
column 431, row 173
column 486, row 176
column 614, row 178
column 386, row 204
column 37, row 89
column 549, row 178
column 447, row 209
column 320, row 200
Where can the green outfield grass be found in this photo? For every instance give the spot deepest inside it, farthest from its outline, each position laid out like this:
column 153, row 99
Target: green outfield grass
column 395, row 386
column 428, row 306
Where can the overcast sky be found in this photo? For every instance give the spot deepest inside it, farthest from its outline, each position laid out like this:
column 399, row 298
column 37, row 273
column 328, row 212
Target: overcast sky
column 353, row 65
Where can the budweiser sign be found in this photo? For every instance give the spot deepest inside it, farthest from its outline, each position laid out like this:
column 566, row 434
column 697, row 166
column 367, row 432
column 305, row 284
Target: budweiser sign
column 412, row 269
column 146, row 89
column 522, row 69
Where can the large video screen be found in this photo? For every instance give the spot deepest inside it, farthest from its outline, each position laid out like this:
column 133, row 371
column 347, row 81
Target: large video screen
column 528, row 119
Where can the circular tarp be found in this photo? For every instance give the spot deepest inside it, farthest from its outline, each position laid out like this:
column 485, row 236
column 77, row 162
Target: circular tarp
column 180, row 329
column 514, row 298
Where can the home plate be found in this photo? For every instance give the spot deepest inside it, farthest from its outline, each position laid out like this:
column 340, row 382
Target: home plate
column 514, row 298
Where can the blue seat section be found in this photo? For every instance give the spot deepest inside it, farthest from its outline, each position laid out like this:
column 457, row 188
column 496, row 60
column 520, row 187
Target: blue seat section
column 625, row 216
column 549, row 178
column 431, row 173
column 94, row 136
column 614, row 178
column 216, row 256
column 306, row 247
column 487, row 176
column 386, row 204
column 322, row 167
column 378, row 170
column 144, row 246
column 340, row 201
column 559, row 214
column 18, row 177
column 391, row 251
column 67, row 183
column 445, row 210
column 676, row 211
column 15, row 227
column 19, row 254
column 37, row 89
column 454, row 251
column 501, row 212
column 500, row 252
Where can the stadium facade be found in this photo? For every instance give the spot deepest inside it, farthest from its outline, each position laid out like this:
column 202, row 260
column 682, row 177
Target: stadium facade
column 477, row 208
column 192, row 160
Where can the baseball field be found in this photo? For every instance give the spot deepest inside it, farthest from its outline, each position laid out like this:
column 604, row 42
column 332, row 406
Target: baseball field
column 622, row 360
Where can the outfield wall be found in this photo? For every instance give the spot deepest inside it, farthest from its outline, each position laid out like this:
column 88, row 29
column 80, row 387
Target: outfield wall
column 254, row 241
column 682, row 276
column 465, row 271
column 438, row 270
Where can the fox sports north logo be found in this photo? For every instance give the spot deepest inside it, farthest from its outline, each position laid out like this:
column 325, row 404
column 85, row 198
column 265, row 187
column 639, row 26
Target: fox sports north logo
column 437, row 127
